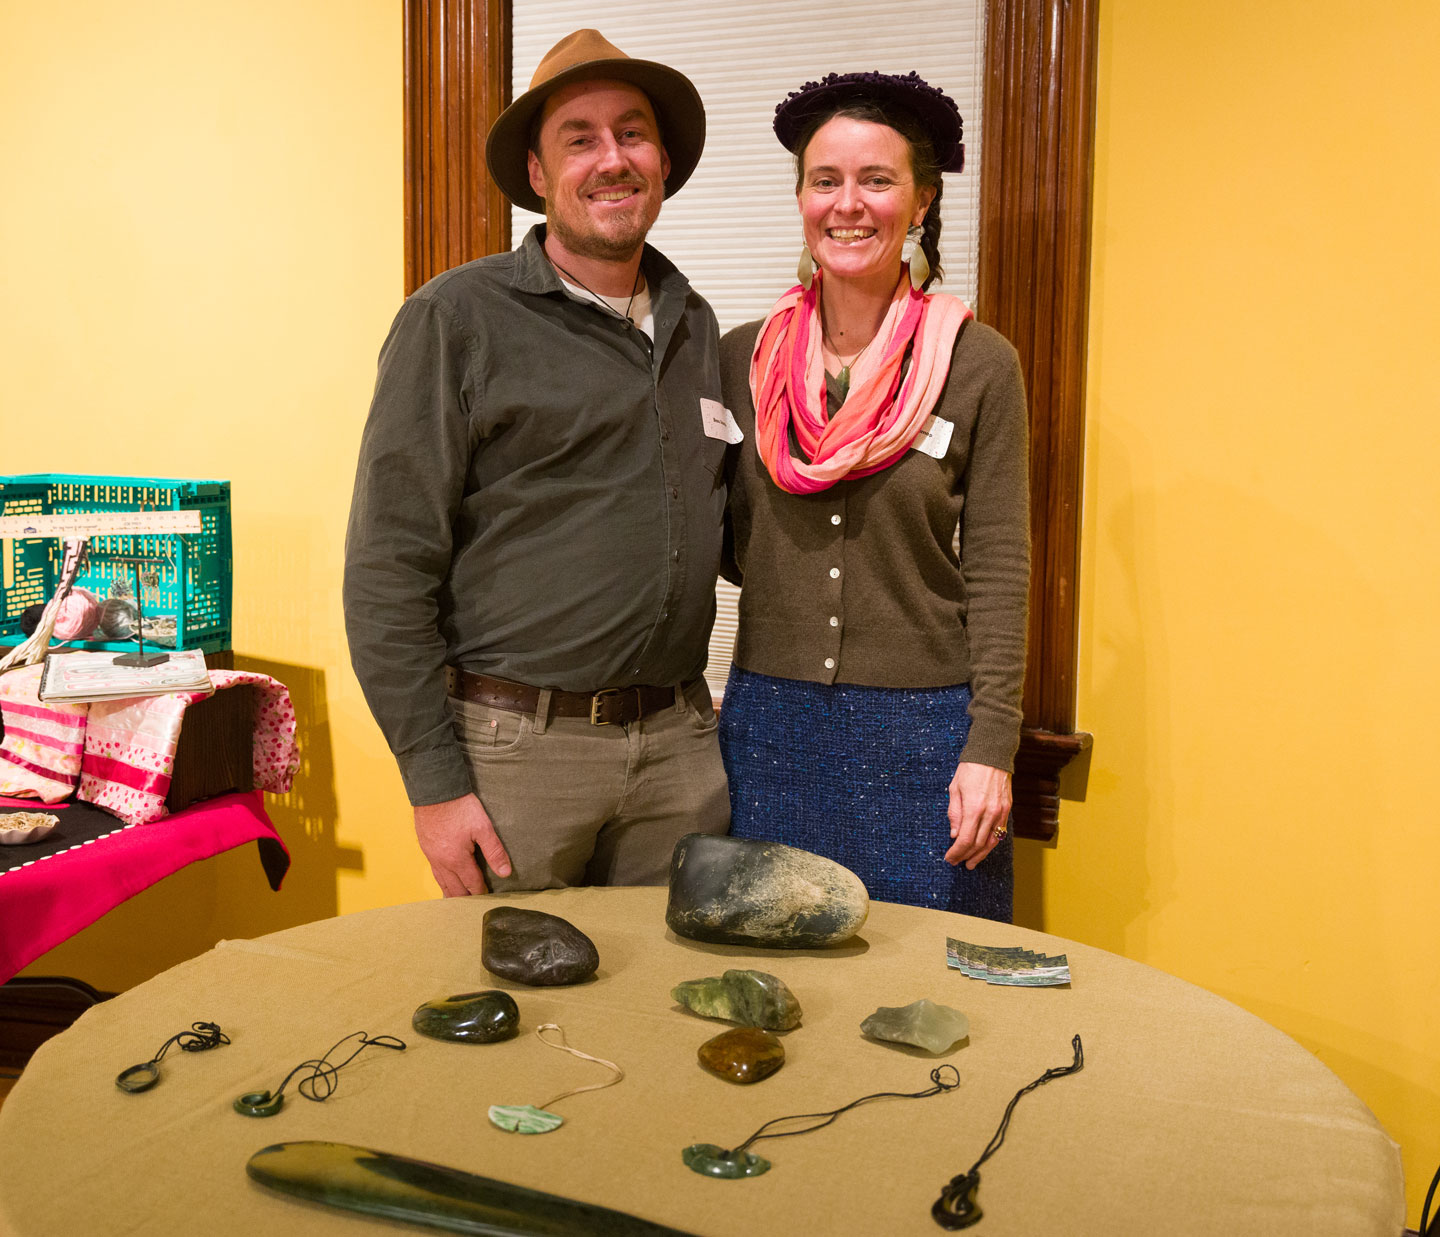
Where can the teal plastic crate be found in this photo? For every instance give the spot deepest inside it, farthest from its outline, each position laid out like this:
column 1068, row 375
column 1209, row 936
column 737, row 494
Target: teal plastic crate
column 195, row 570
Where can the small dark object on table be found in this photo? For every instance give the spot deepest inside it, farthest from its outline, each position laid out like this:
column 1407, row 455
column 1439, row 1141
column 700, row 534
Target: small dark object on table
column 535, row 948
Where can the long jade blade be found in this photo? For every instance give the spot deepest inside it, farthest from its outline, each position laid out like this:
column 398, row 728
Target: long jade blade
column 398, row 1188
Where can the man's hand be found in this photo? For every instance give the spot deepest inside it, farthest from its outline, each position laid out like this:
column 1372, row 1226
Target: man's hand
column 448, row 834
column 979, row 804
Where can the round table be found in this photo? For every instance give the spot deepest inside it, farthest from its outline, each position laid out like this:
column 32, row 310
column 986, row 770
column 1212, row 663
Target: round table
column 1190, row 1116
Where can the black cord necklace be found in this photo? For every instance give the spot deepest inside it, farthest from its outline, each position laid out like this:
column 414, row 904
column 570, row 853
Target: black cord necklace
column 201, row 1037
column 319, row 1084
column 711, row 1161
column 956, row 1207
column 580, row 283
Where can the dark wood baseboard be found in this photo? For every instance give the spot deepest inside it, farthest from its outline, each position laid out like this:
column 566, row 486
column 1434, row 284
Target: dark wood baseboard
column 36, row 1008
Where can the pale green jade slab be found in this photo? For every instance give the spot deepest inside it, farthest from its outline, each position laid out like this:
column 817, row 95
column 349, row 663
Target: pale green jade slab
column 935, row 1028
column 524, row 1118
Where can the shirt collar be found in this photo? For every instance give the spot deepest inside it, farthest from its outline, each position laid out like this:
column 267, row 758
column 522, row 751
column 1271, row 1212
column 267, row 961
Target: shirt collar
column 533, row 272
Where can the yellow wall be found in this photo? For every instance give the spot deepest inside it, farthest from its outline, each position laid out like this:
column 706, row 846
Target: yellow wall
column 201, row 231
column 201, row 240
column 1262, row 522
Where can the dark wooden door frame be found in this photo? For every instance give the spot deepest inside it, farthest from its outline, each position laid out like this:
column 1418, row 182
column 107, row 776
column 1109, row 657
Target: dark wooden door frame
column 1035, row 188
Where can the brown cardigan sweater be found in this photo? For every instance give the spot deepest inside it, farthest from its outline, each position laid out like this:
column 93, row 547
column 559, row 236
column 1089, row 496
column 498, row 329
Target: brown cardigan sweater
column 861, row 583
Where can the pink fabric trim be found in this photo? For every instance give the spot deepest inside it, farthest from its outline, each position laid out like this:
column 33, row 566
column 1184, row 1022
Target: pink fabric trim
column 49, row 901
column 103, row 769
column 70, row 720
column 45, row 740
column 50, row 775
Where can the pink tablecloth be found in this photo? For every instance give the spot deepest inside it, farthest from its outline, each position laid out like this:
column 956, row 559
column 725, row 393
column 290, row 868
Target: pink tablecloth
column 51, row 899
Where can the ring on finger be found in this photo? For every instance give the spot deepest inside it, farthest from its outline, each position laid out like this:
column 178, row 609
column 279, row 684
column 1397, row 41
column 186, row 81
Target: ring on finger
column 999, row 832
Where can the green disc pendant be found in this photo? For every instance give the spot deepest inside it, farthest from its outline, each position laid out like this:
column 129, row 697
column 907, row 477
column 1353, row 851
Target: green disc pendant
column 524, row 1118
column 711, row 1161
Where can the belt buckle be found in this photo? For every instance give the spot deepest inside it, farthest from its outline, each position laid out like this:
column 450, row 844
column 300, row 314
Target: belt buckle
column 595, row 718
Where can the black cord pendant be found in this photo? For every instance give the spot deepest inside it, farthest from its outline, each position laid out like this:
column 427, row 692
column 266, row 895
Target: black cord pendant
column 957, row 1206
column 201, row 1037
column 319, row 1084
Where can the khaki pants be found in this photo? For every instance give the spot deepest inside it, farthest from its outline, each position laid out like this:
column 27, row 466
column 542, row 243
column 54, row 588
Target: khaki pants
column 577, row 804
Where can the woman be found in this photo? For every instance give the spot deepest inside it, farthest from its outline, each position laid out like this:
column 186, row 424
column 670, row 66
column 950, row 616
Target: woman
column 873, row 710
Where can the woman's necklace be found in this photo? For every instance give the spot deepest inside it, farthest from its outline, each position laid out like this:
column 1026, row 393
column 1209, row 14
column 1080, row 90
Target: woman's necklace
column 842, row 379
column 605, row 301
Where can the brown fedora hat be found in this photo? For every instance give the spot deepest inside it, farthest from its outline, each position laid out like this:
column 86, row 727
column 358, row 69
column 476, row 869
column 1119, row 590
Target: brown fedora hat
column 588, row 54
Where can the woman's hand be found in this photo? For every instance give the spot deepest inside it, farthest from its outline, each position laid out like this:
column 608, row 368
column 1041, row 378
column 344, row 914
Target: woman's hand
column 979, row 805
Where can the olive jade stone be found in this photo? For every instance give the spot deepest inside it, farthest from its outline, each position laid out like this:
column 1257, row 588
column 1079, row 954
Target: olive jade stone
column 470, row 1018
column 739, row 891
column 932, row 1027
column 745, row 1054
column 395, row 1187
column 751, row 998
column 534, row 948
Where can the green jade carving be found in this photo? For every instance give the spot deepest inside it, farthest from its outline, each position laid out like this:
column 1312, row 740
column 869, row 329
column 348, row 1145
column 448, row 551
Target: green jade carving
column 524, row 1118
column 395, row 1187
column 751, row 998
column 711, row 1161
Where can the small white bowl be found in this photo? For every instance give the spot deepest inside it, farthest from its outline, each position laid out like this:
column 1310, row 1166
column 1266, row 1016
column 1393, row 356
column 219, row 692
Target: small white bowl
column 17, row 828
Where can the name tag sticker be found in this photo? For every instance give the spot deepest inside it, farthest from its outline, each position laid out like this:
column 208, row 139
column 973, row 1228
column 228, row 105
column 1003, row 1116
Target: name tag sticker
column 719, row 422
column 934, row 437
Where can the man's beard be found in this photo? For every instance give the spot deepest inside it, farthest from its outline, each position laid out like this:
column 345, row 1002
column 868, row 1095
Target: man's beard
column 618, row 245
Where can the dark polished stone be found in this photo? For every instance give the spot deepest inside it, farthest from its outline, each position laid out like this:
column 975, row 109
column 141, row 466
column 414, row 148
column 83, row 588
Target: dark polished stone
column 470, row 1018
column 395, row 1187
column 532, row 947
column 744, row 1055
column 739, row 891
column 751, row 998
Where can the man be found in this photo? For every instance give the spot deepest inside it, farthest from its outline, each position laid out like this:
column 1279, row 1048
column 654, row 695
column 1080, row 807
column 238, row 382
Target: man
column 533, row 542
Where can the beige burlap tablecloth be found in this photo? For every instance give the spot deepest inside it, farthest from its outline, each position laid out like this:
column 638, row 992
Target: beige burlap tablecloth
column 1191, row 1115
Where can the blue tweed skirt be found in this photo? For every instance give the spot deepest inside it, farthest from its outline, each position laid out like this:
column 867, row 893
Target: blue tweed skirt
column 862, row 776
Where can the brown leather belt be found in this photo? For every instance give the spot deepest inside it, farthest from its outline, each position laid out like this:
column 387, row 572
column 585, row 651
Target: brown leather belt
column 614, row 706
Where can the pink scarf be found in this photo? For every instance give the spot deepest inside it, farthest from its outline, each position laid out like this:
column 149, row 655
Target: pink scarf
column 880, row 417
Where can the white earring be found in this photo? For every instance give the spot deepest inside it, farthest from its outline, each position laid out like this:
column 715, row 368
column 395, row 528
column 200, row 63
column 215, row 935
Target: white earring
column 805, row 270
column 912, row 253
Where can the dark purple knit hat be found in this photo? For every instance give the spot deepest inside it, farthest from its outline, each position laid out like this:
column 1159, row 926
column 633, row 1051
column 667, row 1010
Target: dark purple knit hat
column 932, row 107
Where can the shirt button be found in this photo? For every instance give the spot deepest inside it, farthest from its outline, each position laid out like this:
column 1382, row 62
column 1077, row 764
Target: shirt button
column 664, row 435
column 834, row 620
column 829, row 663
column 834, row 573
column 674, row 493
column 834, row 519
column 675, row 557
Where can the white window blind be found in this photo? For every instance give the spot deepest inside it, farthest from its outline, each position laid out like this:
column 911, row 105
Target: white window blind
column 734, row 229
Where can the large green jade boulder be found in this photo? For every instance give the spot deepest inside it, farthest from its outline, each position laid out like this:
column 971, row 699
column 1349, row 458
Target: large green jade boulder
column 739, row 891
column 751, row 998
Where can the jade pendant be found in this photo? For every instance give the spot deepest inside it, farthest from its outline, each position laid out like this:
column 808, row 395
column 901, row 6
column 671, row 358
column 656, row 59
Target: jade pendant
column 524, row 1118
column 711, row 1161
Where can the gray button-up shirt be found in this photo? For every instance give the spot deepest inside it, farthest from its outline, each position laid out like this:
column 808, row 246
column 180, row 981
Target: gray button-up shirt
column 536, row 499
